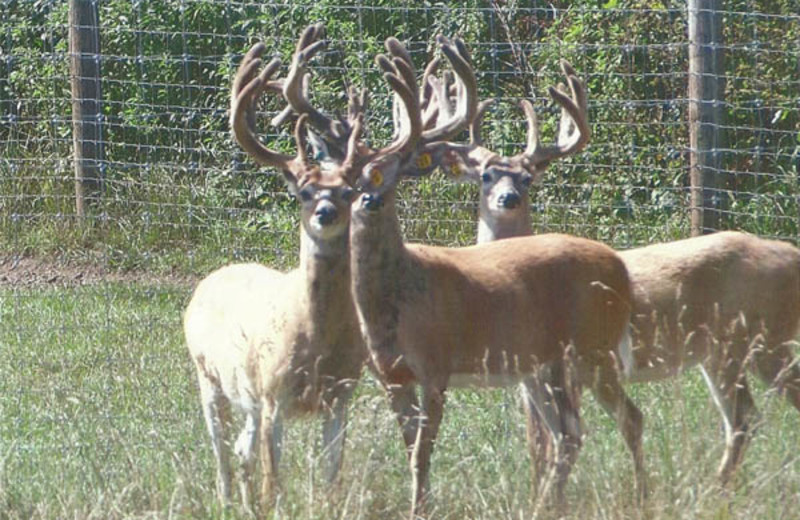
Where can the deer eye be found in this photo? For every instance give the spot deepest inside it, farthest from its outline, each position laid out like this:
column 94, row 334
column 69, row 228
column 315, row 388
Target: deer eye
column 527, row 180
column 486, row 177
column 305, row 195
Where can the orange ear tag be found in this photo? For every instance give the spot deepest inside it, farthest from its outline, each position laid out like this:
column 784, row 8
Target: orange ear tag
column 376, row 177
column 455, row 170
column 424, row 161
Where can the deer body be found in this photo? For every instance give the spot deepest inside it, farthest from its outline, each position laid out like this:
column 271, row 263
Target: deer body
column 285, row 337
column 729, row 301
column 485, row 311
column 483, row 315
column 703, row 286
column 490, row 314
column 275, row 346
column 706, row 300
column 278, row 345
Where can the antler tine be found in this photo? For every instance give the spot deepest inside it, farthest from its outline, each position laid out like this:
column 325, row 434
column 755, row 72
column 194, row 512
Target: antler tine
column 352, row 153
column 429, row 99
column 467, row 99
column 475, row 137
column 312, row 33
column 574, row 131
column 532, row 148
column 356, row 104
column 442, row 88
column 429, row 105
column 301, row 141
column 463, row 51
column 399, row 73
column 295, row 86
column 246, row 88
column 427, row 90
column 578, row 90
column 276, row 87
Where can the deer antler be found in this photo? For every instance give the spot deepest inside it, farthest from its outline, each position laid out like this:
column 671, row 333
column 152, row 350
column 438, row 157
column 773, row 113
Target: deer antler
column 466, row 94
column 295, row 88
column 399, row 73
column 440, row 121
column 247, row 87
column 475, row 126
column 429, row 94
column 574, row 133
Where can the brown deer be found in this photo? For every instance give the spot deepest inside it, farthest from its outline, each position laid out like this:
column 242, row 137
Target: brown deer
column 271, row 344
column 491, row 314
column 721, row 300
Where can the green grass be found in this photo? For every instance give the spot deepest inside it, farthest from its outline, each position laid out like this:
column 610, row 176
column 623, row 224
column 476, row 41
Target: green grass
column 100, row 418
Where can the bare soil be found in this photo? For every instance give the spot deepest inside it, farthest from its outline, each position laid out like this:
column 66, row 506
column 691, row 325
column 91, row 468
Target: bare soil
column 17, row 271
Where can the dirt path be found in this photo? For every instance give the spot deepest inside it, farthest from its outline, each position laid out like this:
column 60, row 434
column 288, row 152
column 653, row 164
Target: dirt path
column 26, row 272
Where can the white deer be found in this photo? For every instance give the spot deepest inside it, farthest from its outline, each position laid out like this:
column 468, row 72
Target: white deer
column 275, row 344
column 491, row 314
column 721, row 300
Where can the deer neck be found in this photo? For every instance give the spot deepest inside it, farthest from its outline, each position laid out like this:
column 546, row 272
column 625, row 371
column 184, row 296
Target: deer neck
column 325, row 269
column 378, row 261
column 492, row 227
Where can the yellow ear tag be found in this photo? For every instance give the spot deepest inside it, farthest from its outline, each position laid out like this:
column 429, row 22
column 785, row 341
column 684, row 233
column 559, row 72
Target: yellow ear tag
column 455, row 170
column 376, row 177
column 424, row 161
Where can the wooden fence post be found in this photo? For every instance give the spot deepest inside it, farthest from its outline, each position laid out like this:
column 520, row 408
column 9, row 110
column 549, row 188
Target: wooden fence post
column 706, row 92
column 84, row 49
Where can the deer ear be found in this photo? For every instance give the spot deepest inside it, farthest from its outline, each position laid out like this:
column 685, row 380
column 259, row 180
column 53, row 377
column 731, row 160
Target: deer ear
column 291, row 181
column 453, row 159
column 319, row 147
column 536, row 171
column 456, row 162
column 380, row 176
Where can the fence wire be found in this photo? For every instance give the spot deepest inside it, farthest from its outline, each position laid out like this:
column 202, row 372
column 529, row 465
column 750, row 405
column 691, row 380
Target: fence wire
column 175, row 186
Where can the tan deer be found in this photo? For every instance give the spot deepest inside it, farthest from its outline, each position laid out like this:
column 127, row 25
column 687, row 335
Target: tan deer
column 491, row 314
column 720, row 300
column 272, row 344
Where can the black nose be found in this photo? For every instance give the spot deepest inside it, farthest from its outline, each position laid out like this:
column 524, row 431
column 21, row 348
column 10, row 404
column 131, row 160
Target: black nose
column 326, row 214
column 371, row 202
column 509, row 200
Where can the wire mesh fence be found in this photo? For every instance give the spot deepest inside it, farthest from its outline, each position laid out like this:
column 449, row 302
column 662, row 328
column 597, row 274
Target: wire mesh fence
column 173, row 181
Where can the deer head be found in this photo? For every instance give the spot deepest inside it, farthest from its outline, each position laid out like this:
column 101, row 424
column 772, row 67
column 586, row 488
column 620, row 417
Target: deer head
column 505, row 181
column 422, row 119
column 324, row 195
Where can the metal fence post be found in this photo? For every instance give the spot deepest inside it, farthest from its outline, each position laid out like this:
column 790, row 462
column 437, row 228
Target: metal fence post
column 706, row 91
column 84, row 49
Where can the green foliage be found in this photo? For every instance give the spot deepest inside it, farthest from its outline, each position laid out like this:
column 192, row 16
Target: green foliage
column 172, row 167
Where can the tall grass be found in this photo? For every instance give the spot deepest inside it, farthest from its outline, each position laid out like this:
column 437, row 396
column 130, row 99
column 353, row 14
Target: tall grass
column 100, row 418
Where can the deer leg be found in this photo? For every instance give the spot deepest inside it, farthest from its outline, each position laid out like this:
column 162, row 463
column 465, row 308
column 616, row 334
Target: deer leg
column 725, row 377
column 333, row 434
column 427, row 430
column 778, row 367
column 538, row 435
column 271, row 431
column 403, row 400
column 617, row 404
column 216, row 410
column 246, row 448
column 553, row 401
